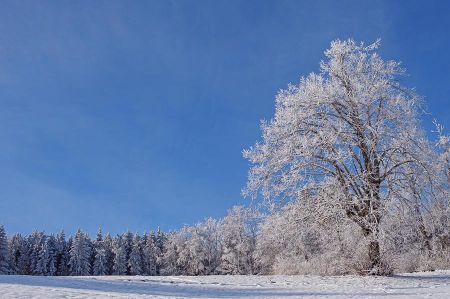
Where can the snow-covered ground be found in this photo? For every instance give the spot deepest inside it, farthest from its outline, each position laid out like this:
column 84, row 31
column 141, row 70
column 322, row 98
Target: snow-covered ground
column 417, row 285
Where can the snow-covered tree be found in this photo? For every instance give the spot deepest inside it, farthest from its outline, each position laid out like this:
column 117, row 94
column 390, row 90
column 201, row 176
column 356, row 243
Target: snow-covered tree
column 109, row 254
column 190, row 252
column 127, row 244
column 80, row 254
column 170, row 261
column 100, row 261
column 150, row 253
column 100, row 267
column 43, row 259
column 52, row 248
column 120, row 256
column 135, row 261
column 238, row 245
column 353, row 125
column 210, row 233
column 62, row 254
column 23, row 263
column 15, row 246
column 35, row 240
column 444, row 146
column 160, row 240
column 4, row 264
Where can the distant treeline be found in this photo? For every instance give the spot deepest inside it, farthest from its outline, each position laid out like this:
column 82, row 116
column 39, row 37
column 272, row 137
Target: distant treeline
column 211, row 247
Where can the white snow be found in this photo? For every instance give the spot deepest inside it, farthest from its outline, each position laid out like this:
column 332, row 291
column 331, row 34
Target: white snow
column 417, row 285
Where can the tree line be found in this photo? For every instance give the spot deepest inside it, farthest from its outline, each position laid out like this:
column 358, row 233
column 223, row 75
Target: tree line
column 210, row 247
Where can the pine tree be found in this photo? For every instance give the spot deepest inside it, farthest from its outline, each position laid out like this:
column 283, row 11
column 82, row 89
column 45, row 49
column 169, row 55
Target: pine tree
column 80, row 254
column 4, row 266
column 135, row 260
column 160, row 241
column 127, row 244
column 120, row 257
column 150, row 254
column 52, row 255
column 23, row 263
column 100, row 261
column 15, row 251
column 62, row 255
column 43, row 259
column 35, row 244
column 109, row 254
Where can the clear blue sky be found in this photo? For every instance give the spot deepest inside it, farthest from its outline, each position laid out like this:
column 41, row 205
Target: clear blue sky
column 133, row 114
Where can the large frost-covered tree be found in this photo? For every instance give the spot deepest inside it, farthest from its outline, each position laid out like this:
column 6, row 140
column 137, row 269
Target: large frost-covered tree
column 352, row 128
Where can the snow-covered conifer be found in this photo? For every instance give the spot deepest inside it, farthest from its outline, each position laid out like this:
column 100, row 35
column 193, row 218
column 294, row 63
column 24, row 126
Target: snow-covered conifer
column 109, row 254
column 62, row 254
column 100, row 261
column 149, row 254
column 4, row 260
column 120, row 257
column 43, row 259
column 15, row 246
column 80, row 254
column 135, row 260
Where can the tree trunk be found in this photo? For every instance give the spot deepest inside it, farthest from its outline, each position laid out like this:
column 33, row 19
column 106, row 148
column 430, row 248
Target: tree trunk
column 375, row 258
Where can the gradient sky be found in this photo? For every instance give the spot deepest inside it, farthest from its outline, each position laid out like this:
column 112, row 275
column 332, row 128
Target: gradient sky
column 133, row 114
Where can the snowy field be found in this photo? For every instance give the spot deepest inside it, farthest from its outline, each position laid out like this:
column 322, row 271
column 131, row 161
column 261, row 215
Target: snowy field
column 417, row 285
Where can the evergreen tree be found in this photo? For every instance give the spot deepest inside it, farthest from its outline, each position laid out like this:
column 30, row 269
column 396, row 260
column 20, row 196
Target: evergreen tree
column 150, row 254
column 135, row 260
column 4, row 265
column 15, row 251
column 35, row 244
column 100, row 262
column 127, row 244
column 43, row 259
column 109, row 254
column 99, row 255
column 23, row 263
column 62, row 255
column 120, row 257
column 80, row 253
column 160, row 240
column 52, row 255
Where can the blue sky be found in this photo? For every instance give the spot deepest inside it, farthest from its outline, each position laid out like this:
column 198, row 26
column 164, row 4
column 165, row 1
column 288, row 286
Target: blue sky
column 133, row 114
